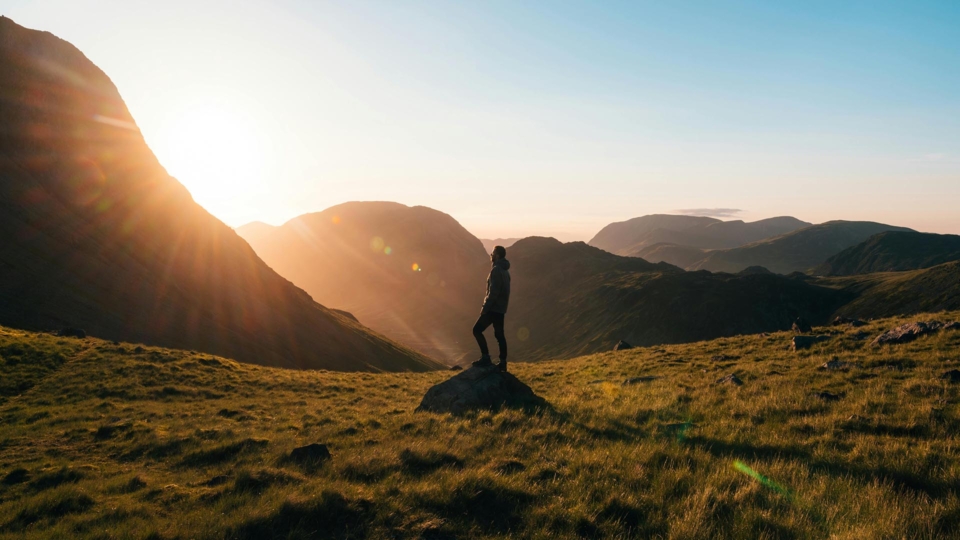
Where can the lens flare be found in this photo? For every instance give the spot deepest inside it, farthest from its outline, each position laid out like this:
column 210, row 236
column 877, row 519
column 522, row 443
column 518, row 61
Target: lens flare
column 388, row 250
column 523, row 333
column 335, row 220
column 377, row 244
column 742, row 467
column 415, row 267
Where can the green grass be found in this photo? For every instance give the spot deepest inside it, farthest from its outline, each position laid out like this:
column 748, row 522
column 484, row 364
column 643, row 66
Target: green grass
column 99, row 441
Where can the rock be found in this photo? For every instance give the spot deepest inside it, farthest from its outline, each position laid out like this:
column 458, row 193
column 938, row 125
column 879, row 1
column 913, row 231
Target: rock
column 805, row 342
column 72, row 332
column 456, row 368
column 835, row 364
column 952, row 326
column 907, row 332
column 637, row 380
column 828, row 396
column 840, row 321
column 310, row 455
column 479, row 388
column 730, row 379
column 622, row 346
column 951, row 376
column 801, row 326
column 138, row 349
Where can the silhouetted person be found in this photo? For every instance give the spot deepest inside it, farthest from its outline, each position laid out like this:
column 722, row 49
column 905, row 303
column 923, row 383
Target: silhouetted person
column 494, row 308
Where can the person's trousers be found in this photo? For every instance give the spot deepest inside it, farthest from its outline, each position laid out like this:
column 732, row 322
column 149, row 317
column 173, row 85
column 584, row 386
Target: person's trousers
column 484, row 322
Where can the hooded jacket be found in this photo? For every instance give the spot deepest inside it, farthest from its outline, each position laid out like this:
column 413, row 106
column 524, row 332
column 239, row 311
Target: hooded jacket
column 498, row 288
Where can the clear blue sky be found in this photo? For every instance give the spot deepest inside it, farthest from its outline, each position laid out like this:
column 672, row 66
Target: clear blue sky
column 541, row 117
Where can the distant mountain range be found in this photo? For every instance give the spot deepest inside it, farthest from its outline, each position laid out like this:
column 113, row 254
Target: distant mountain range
column 96, row 235
column 800, row 250
column 632, row 236
column 893, row 251
column 490, row 244
column 412, row 273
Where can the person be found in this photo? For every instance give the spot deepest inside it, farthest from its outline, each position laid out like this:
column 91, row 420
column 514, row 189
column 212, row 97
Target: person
column 494, row 308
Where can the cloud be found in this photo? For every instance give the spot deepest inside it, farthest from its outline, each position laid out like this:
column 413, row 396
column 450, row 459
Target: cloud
column 709, row 212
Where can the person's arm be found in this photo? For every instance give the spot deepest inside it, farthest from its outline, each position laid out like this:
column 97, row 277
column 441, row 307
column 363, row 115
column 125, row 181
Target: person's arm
column 496, row 285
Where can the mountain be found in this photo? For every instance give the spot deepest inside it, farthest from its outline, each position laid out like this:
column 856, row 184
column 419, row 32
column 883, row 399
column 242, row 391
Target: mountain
column 255, row 231
column 797, row 251
column 893, row 251
column 634, row 235
column 97, row 235
column 490, row 244
column 682, row 256
column 900, row 293
column 411, row 273
column 572, row 299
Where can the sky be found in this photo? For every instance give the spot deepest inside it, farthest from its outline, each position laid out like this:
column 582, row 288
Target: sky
column 549, row 118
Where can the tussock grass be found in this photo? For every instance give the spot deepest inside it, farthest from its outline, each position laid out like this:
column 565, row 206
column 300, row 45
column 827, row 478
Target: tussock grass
column 98, row 440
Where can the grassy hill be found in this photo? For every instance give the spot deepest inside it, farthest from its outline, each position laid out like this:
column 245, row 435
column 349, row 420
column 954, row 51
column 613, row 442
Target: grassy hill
column 797, row 251
column 892, row 251
column 631, row 236
column 97, row 235
column 103, row 440
column 411, row 273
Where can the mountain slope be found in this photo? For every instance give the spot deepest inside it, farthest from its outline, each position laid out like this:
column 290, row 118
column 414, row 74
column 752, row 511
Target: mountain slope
column 893, row 251
column 798, row 251
column 98, row 236
column 572, row 299
column 634, row 235
column 412, row 273
column 681, row 256
column 895, row 293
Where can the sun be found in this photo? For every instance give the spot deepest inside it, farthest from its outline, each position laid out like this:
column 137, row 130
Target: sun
column 214, row 148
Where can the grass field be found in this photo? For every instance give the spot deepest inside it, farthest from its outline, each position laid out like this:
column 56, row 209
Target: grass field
column 103, row 440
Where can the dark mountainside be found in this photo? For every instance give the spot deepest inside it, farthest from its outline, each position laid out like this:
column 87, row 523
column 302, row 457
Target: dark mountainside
column 505, row 242
column 340, row 257
column 798, row 251
column 631, row 236
column 893, row 251
column 573, row 299
column 96, row 235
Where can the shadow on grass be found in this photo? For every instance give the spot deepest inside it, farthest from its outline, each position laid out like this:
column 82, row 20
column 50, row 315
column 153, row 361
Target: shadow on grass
column 482, row 502
column 903, row 480
column 330, row 515
column 222, row 453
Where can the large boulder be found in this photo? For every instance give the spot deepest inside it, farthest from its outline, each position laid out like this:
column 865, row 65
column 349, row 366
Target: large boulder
column 909, row 332
column 479, row 388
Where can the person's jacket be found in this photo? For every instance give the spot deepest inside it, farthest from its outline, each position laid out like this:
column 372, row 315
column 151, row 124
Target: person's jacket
column 498, row 288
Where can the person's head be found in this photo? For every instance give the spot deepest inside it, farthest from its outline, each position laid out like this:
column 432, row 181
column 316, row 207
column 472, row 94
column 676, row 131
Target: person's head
column 499, row 252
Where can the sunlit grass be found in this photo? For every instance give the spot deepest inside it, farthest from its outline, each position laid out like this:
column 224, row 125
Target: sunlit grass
column 100, row 441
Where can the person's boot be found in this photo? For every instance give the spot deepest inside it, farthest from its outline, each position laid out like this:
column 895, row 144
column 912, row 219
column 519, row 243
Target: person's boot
column 484, row 361
column 503, row 365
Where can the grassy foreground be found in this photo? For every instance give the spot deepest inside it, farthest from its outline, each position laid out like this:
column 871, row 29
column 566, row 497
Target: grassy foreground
column 101, row 440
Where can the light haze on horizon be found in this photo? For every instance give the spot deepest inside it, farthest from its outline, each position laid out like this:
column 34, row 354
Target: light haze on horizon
column 551, row 118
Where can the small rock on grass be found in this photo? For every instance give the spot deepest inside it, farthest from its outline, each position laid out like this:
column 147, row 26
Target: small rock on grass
column 638, row 380
column 730, row 379
column 828, row 396
column 835, row 364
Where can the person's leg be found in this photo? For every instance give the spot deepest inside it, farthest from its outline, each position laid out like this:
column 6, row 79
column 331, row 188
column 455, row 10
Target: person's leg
column 482, row 324
column 501, row 337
